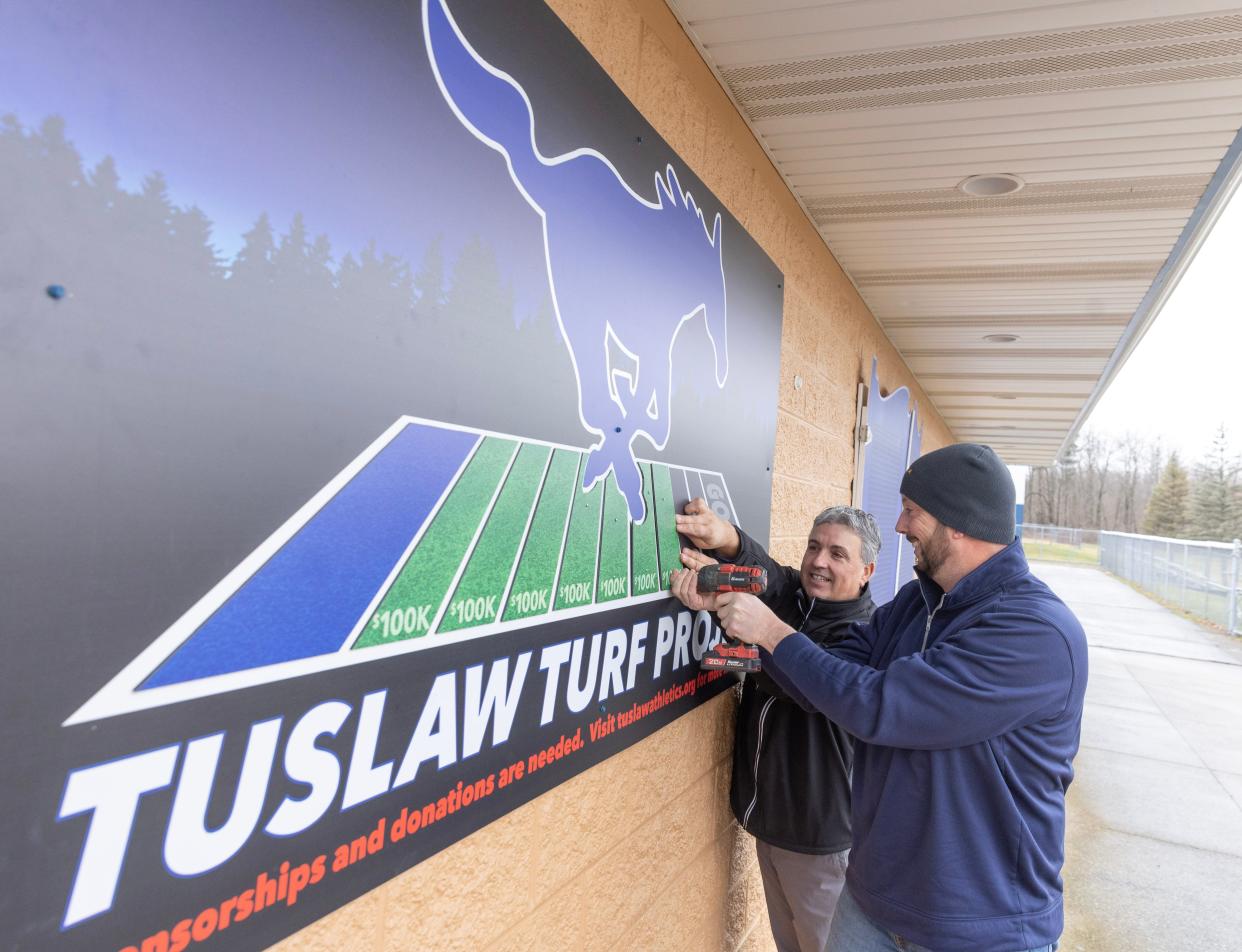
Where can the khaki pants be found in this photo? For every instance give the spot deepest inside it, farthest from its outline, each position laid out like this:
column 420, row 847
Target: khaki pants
column 801, row 890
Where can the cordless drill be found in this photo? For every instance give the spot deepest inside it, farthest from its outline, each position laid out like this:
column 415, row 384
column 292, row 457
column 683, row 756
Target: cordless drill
column 731, row 654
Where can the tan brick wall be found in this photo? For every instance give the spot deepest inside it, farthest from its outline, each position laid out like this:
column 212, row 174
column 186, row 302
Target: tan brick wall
column 637, row 853
column 641, row 852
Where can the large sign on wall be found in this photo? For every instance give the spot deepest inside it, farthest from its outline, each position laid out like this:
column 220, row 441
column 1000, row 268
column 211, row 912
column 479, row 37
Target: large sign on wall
column 353, row 362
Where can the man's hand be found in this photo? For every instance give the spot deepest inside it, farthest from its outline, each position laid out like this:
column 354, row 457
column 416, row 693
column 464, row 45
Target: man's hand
column 688, row 593
column 707, row 530
column 694, row 560
column 746, row 618
column 685, row 582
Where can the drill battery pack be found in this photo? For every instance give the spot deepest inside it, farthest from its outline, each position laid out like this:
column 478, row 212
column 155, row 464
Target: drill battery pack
column 731, row 656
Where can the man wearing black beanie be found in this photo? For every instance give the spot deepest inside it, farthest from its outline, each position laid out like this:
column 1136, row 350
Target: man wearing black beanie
column 964, row 694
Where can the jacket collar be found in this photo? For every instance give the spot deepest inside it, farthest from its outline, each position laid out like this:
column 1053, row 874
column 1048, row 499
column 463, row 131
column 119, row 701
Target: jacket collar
column 826, row 611
column 1008, row 563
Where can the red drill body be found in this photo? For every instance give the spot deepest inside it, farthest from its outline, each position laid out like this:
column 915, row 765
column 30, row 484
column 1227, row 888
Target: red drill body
column 732, row 578
column 731, row 654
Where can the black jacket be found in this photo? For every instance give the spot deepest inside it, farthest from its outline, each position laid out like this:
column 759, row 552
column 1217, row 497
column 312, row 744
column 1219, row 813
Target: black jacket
column 791, row 767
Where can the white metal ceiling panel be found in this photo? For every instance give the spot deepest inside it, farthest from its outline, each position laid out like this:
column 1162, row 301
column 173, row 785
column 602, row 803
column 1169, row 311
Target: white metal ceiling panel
column 1120, row 117
column 1035, row 339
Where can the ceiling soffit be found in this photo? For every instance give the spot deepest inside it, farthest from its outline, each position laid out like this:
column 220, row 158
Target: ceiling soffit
column 1120, row 117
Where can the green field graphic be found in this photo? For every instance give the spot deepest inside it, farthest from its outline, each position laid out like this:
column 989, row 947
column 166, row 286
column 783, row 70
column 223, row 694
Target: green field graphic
column 667, row 543
column 477, row 598
column 613, row 579
column 576, row 585
column 410, row 606
column 531, row 591
column 516, row 537
column 644, row 562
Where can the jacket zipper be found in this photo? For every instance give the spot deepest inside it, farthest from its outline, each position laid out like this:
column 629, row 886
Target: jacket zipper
column 927, row 627
column 763, row 716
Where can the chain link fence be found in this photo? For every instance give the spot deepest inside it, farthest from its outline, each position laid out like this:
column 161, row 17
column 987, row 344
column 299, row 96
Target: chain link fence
column 1057, row 535
column 1202, row 578
column 1060, row 543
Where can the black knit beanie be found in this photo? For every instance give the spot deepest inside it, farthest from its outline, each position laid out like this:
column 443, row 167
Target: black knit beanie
column 966, row 487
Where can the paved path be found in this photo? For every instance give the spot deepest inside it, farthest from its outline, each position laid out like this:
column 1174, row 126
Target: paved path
column 1154, row 844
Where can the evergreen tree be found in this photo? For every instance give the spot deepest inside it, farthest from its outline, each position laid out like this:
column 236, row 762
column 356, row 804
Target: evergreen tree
column 400, row 278
column 478, row 296
column 321, row 256
column 1214, row 503
column 429, row 282
column 154, row 206
column 347, row 276
column 254, row 262
column 388, row 275
column 191, row 234
column 376, row 291
column 106, row 183
column 291, row 259
column 1168, row 509
column 62, row 163
column 321, row 279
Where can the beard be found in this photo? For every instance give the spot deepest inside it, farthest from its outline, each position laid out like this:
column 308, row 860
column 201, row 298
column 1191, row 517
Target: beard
column 932, row 551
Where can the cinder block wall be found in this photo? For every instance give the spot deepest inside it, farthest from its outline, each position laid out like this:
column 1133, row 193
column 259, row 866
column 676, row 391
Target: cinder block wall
column 642, row 853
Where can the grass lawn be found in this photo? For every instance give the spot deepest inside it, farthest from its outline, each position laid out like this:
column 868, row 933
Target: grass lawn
column 1061, row 552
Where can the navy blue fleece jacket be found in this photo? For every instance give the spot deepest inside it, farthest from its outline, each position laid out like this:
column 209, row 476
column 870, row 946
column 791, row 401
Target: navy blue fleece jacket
column 966, row 707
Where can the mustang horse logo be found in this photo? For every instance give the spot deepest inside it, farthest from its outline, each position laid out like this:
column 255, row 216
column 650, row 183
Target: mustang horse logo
column 626, row 273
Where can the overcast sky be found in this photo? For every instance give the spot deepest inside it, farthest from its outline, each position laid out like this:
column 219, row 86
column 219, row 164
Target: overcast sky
column 1185, row 377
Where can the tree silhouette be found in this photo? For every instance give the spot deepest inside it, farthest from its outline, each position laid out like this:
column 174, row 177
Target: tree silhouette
column 348, row 274
column 282, row 318
column 429, row 282
column 105, row 184
column 253, row 263
column 478, row 288
column 291, row 259
column 320, row 258
column 191, row 242
column 377, row 288
column 155, row 203
column 399, row 277
column 61, row 162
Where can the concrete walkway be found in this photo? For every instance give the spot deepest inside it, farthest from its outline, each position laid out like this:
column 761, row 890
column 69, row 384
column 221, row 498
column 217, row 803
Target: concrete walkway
column 1154, row 844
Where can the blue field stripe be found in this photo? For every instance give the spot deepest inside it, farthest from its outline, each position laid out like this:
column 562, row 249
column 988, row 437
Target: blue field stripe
column 306, row 599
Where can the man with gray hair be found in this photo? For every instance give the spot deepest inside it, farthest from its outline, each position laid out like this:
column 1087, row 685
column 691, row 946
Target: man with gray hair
column 791, row 765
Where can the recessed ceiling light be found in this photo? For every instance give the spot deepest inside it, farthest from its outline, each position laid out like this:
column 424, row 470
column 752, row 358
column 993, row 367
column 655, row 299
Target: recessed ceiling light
column 1001, row 338
column 1004, row 396
column 994, row 183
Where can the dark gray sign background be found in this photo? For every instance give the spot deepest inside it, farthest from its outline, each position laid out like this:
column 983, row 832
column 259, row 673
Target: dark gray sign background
column 165, row 417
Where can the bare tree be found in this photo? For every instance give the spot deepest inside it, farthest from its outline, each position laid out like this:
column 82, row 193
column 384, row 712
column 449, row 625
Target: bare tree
column 1101, row 483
